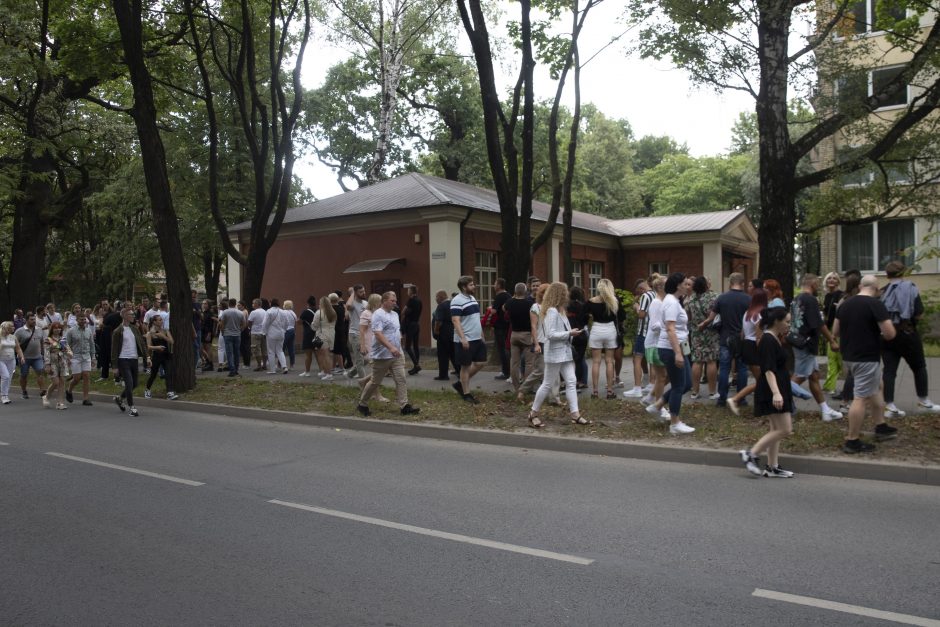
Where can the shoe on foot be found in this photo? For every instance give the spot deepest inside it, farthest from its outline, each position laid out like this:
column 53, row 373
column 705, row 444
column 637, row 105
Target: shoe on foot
column 618, row 383
column 693, row 396
column 647, row 400
column 45, row 402
column 470, row 398
column 327, row 377
column 885, row 432
column 928, row 405
column 458, row 386
column 119, row 402
column 680, row 428
column 636, row 392
column 777, row 472
column 363, row 409
column 87, row 403
column 652, row 409
column 844, row 409
column 303, row 374
column 61, row 406
column 857, row 446
column 68, row 396
column 892, row 411
column 285, row 370
column 733, row 406
column 5, row 400
column 442, row 378
column 172, row 396
column 148, row 394
column 408, row 410
column 713, row 397
column 751, row 462
column 831, row 414
column 133, row 412
column 25, row 396
column 501, row 377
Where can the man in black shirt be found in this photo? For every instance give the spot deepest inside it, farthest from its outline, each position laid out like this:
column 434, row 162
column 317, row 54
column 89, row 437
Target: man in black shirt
column 731, row 306
column 862, row 321
column 521, row 340
column 411, row 328
column 808, row 323
column 443, row 332
column 501, row 326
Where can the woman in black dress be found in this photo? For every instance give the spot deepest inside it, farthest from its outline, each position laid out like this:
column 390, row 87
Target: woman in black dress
column 773, row 397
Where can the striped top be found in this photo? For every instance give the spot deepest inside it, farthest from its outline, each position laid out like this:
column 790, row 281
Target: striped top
column 644, row 323
column 466, row 307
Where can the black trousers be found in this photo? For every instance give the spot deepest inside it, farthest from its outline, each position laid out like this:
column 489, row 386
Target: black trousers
column 499, row 339
column 412, row 335
column 157, row 360
column 445, row 356
column 104, row 355
column 906, row 345
column 128, row 370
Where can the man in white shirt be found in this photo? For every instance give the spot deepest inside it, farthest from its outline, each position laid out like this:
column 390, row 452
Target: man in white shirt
column 387, row 356
column 354, row 306
column 259, row 349
column 275, row 326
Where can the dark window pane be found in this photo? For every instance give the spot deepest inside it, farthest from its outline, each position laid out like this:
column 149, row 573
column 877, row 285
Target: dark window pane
column 857, row 14
column 894, row 238
column 858, row 247
column 880, row 79
column 889, row 10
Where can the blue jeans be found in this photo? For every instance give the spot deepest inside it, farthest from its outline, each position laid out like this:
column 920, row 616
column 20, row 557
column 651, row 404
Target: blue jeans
column 724, row 369
column 289, row 350
column 232, row 350
column 680, row 379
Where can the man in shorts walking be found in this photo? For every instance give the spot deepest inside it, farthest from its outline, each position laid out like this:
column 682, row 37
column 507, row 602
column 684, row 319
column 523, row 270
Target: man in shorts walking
column 81, row 339
column 469, row 348
column 30, row 338
column 861, row 322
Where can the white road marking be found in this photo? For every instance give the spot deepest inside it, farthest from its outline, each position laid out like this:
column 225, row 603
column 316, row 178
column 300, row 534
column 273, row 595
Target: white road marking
column 906, row 619
column 136, row 471
column 456, row 537
column 4, row 444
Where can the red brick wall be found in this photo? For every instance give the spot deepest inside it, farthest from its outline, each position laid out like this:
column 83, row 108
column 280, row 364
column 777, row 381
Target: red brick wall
column 636, row 264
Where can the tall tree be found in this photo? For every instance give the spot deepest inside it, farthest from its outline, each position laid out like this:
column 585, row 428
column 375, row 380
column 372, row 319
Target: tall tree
column 749, row 46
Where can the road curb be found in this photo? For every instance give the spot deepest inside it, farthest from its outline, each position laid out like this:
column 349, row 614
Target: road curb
column 848, row 468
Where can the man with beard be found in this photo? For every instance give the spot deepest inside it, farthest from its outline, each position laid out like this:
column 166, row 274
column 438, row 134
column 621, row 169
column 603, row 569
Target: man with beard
column 469, row 348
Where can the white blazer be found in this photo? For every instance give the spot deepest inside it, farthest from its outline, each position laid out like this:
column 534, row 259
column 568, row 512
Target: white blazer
column 557, row 332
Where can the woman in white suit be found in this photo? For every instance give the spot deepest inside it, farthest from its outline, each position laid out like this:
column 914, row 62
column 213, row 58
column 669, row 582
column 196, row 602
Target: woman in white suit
column 554, row 325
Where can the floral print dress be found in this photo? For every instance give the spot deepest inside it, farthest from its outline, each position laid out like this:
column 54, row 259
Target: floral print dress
column 56, row 355
column 704, row 344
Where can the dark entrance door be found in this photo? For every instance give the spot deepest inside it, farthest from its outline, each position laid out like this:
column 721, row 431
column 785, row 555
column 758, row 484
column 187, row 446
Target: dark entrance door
column 388, row 285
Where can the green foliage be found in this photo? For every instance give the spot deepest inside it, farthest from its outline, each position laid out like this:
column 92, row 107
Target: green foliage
column 682, row 184
column 630, row 324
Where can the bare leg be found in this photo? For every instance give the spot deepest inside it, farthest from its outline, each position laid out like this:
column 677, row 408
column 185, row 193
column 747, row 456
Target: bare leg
column 595, row 367
column 711, row 373
column 696, row 377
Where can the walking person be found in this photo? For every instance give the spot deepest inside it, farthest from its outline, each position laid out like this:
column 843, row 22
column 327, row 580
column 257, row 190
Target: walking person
column 231, row 323
column 81, row 341
column 111, row 320
column 127, row 347
column 772, row 396
column 674, row 351
column 603, row 310
column 705, row 343
column 366, row 341
column 30, row 338
column 501, row 327
column 557, row 354
column 10, row 354
column 442, row 330
column 469, row 348
column 808, row 324
column 864, row 325
column 643, row 297
column 387, row 357
column 307, row 335
column 56, row 357
column 411, row 322
column 751, row 332
column 275, row 326
column 902, row 300
column 833, row 357
column 160, row 348
column 658, row 375
column 534, row 376
column 355, row 305
column 324, row 324
column 728, row 310
column 290, row 333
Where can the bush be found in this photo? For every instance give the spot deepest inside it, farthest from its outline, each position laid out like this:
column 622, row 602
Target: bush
column 630, row 324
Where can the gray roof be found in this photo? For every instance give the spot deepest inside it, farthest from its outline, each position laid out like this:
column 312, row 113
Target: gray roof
column 414, row 190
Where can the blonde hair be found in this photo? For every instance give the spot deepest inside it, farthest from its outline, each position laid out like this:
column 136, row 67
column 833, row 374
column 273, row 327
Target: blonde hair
column 334, row 298
column 289, row 304
column 326, row 309
column 6, row 328
column 605, row 289
column 556, row 297
column 540, row 292
column 833, row 275
column 374, row 302
column 659, row 284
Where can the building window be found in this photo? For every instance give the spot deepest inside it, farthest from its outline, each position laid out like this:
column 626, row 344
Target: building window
column 869, row 247
column 595, row 274
column 577, row 278
column 659, row 267
column 851, row 89
column 866, row 19
column 880, row 78
column 484, row 275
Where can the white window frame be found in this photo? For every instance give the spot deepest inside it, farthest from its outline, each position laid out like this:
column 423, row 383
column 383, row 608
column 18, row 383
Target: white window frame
column 485, row 272
column 577, row 273
column 653, row 269
column 869, row 21
column 595, row 274
column 871, row 87
column 876, row 253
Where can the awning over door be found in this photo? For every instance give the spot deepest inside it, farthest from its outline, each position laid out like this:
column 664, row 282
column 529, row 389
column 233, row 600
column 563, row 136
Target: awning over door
column 372, row 265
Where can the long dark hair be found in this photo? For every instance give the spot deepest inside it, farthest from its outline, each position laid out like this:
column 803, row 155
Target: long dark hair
column 673, row 282
column 769, row 316
column 758, row 303
column 700, row 285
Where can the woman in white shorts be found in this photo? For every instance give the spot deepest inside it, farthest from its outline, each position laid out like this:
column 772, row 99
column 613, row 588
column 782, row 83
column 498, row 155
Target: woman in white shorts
column 10, row 351
column 324, row 325
column 603, row 312
column 657, row 369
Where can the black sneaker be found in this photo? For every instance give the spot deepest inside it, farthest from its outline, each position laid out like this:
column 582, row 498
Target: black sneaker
column 119, row 402
column 470, row 398
column 778, row 472
column 87, row 403
column 408, row 410
column 459, row 387
column 25, row 396
column 363, row 409
column 133, row 412
column 857, row 446
column 885, row 431
column 442, row 378
column 68, row 396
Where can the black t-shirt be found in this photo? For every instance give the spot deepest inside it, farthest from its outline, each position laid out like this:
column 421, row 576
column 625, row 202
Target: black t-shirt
column 342, row 324
column 306, row 317
column 600, row 313
column 858, row 328
column 498, row 302
column 731, row 306
column 413, row 313
column 812, row 321
column 830, row 303
column 112, row 321
column 518, row 309
column 442, row 315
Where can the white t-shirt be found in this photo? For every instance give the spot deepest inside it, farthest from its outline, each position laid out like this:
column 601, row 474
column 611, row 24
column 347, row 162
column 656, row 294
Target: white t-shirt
column 750, row 328
column 388, row 325
column 8, row 347
column 655, row 316
column 673, row 312
column 129, row 345
column 539, row 331
column 256, row 321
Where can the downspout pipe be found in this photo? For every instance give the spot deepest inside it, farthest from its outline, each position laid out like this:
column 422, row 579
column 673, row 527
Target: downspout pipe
column 463, row 224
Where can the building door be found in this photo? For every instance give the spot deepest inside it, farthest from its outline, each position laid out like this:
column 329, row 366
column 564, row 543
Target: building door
column 388, row 285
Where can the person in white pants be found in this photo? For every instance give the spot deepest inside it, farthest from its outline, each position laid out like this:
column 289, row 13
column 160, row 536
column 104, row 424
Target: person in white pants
column 10, row 351
column 275, row 327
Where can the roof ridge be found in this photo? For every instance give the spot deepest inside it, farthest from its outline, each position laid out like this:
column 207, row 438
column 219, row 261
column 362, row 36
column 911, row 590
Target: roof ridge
column 421, row 178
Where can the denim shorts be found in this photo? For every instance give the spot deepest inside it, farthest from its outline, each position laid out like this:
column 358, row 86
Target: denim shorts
column 36, row 364
column 804, row 363
column 639, row 345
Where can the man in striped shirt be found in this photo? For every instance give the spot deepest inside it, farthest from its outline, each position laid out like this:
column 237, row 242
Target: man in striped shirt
column 641, row 304
column 469, row 348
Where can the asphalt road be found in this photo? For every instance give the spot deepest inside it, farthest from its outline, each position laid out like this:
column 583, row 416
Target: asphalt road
column 384, row 530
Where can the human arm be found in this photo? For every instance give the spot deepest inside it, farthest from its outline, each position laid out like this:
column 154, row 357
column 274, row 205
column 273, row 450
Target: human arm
column 888, row 332
column 533, row 325
column 707, row 321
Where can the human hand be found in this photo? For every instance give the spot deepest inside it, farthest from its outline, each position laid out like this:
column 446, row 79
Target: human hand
column 778, row 400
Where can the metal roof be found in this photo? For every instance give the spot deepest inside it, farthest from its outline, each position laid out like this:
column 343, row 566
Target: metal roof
column 372, row 265
column 415, row 191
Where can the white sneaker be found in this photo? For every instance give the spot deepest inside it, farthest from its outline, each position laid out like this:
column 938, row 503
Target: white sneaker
column 829, row 416
column 664, row 415
column 647, row 400
column 303, row 374
column 172, row 396
column 733, row 406
column 647, row 388
column 714, row 397
column 285, row 370
column 680, row 428
column 891, row 411
column 147, row 394
column 634, row 393
column 326, row 377
column 45, row 402
column 652, row 409
column 751, row 462
column 693, row 396
column 928, row 405
column 5, row 400
column 618, row 383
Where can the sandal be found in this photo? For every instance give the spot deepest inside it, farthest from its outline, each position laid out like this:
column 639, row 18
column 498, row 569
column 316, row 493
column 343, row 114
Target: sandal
column 578, row 419
column 534, row 421
column 594, row 394
column 611, row 395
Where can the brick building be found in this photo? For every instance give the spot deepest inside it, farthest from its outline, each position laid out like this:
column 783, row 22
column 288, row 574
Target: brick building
column 428, row 231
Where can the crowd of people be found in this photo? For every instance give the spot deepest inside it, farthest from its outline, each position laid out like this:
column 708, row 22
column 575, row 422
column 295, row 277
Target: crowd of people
column 546, row 335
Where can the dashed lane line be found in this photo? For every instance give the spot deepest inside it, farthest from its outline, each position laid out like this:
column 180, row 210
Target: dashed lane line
column 905, row 619
column 455, row 537
column 135, row 471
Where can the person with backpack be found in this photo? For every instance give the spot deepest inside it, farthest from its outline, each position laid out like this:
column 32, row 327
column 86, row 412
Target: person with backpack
column 805, row 328
column 727, row 314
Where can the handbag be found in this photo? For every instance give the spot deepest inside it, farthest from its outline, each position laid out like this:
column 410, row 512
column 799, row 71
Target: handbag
column 317, row 342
